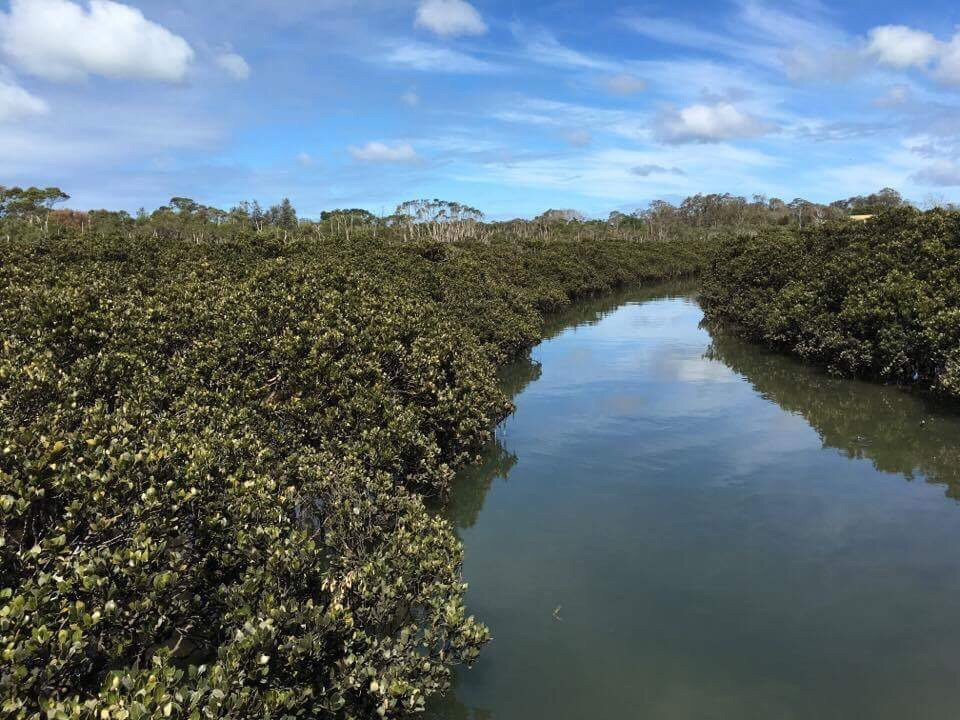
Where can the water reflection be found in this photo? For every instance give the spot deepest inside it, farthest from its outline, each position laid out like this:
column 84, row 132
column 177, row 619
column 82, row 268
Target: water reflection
column 592, row 311
column 896, row 431
column 728, row 533
column 473, row 482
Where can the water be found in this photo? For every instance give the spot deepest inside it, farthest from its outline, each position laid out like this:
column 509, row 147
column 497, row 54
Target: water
column 679, row 526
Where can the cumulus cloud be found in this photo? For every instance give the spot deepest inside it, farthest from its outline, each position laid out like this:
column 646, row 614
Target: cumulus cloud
column 62, row 40
column 625, row 84
column 16, row 103
column 708, row 123
column 234, row 65
column 379, row 152
column 305, row 160
column 410, row 98
column 450, row 18
column 648, row 170
column 902, row 47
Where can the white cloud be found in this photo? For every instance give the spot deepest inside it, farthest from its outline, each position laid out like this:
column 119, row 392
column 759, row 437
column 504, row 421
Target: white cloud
column 902, row 47
column 380, row 152
column 430, row 58
column 61, row 40
column 16, row 103
column 410, row 98
column 450, row 18
column 708, row 123
column 305, row 159
column 234, row 65
column 625, row 84
column 948, row 69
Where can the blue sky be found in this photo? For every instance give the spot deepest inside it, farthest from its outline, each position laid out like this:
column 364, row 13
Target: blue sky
column 513, row 107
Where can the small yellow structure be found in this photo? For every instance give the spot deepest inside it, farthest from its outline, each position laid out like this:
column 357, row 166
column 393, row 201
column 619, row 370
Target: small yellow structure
column 860, row 218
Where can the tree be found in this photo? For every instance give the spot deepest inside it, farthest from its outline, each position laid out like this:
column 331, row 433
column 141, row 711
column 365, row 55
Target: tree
column 284, row 215
column 437, row 211
column 257, row 216
column 872, row 204
column 800, row 208
column 184, row 206
column 566, row 215
column 352, row 216
column 32, row 203
column 441, row 220
column 240, row 213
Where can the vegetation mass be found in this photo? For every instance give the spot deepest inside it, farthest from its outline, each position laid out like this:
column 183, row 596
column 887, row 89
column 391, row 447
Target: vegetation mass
column 217, row 434
column 879, row 300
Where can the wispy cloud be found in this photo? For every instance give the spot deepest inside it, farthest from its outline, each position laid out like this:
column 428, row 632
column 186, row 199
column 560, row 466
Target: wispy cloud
column 579, row 138
column 15, row 102
column 624, row 84
column 941, row 174
column 380, row 152
column 896, row 96
column 234, row 65
column 840, row 131
column 542, row 47
column 633, row 125
column 648, row 170
column 702, row 41
column 436, row 59
column 71, row 141
column 611, row 174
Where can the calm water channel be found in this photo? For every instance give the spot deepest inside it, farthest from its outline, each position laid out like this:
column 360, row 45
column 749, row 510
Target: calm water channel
column 679, row 526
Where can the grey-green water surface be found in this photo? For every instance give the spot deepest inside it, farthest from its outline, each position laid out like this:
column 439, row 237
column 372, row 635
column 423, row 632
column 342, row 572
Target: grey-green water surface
column 678, row 526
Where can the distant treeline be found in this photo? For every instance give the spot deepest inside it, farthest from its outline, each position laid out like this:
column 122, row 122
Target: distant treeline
column 699, row 216
column 878, row 300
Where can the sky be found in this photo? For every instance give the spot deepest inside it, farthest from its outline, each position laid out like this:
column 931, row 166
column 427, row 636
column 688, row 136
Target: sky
column 512, row 107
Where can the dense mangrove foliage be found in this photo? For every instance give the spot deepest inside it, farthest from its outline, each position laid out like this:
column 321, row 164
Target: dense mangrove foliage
column 878, row 300
column 216, row 442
